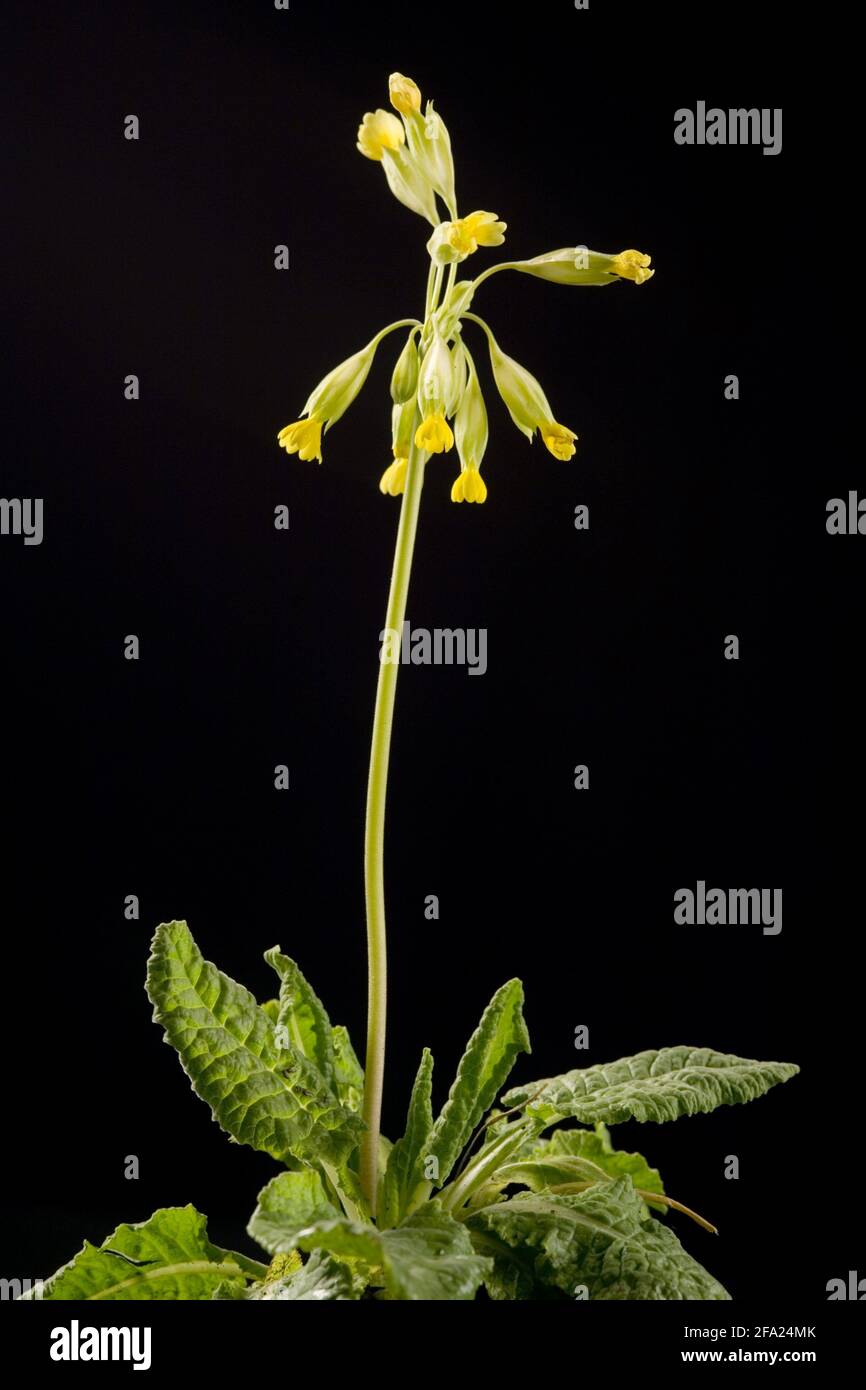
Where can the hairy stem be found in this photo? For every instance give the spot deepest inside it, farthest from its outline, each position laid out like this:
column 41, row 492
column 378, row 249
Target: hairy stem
column 377, row 786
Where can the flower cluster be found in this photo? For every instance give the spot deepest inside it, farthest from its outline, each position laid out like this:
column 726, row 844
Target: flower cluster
column 437, row 402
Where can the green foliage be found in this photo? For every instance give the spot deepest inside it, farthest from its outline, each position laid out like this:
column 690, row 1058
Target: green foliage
column 167, row 1257
column 280, row 1077
column 655, row 1086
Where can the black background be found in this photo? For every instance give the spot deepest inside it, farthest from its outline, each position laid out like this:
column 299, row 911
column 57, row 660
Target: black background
column 259, row 647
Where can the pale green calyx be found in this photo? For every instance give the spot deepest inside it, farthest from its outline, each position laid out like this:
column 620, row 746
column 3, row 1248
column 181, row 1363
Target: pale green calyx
column 435, row 381
column 470, row 422
column 577, row 265
column 458, row 377
column 336, row 391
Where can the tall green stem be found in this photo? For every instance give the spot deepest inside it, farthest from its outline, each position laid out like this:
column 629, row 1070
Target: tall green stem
column 374, row 838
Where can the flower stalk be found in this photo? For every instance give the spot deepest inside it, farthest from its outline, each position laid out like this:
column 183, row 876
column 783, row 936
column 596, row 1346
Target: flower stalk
column 374, row 833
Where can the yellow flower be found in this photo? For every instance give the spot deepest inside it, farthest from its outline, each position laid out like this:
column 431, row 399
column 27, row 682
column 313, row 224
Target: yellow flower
column 632, row 265
column 434, row 434
column 478, row 229
column 379, row 131
column 558, row 439
column 393, row 480
column 469, row 486
column 405, row 94
column 304, row 437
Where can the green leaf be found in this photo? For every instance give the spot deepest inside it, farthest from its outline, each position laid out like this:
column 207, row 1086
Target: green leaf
column 655, row 1086
column 485, row 1064
column 289, row 1203
column 404, row 1176
column 301, row 1017
column 428, row 1257
column 602, row 1240
column 167, row 1257
column 271, row 1098
column 321, row 1279
column 348, row 1072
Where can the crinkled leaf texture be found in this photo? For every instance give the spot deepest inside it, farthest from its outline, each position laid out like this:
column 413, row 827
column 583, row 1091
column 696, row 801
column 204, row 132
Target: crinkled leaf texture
column 655, row 1085
column 602, row 1240
column 269, row 1096
column 428, row 1257
column 167, row 1257
column 301, row 1018
column 485, row 1064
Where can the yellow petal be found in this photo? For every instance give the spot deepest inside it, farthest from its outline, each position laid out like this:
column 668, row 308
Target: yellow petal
column 558, row 439
column 379, row 131
column 434, row 435
column 393, row 480
column 304, row 438
column 632, row 265
column 469, row 486
column 405, row 94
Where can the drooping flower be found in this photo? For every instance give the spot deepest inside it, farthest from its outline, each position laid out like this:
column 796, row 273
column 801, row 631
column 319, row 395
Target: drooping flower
column 469, row 486
column 304, row 437
column 527, row 404
column 434, row 434
column 393, row 480
column 470, row 433
column 558, row 439
column 435, row 394
column 330, row 399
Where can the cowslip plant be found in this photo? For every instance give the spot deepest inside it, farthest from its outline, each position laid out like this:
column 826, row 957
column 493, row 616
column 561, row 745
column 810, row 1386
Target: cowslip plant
column 527, row 1198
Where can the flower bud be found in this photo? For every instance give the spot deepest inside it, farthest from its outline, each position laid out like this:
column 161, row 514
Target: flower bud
column 404, row 380
column 405, row 94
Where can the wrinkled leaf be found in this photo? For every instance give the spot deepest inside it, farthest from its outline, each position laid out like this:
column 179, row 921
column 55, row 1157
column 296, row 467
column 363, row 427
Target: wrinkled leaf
column 428, row 1257
column 289, row 1203
column 602, row 1239
column 348, row 1072
column 485, row 1064
column 301, row 1017
column 654, row 1086
column 166, row 1257
column 271, row 1098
